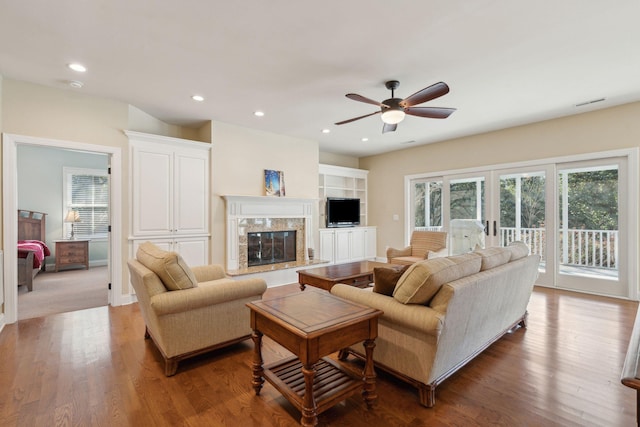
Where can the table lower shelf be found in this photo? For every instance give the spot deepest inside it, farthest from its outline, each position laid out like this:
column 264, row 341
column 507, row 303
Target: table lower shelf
column 330, row 384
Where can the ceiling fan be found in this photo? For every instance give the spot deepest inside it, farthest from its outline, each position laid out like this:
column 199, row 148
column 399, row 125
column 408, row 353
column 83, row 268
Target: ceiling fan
column 393, row 110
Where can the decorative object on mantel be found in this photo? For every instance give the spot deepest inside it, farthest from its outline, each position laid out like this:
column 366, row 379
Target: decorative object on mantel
column 72, row 217
column 274, row 183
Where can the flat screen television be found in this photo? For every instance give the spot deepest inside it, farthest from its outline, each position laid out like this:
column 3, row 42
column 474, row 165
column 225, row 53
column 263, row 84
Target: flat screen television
column 342, row 212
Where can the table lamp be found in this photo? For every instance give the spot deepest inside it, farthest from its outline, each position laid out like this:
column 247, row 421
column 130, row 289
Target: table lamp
column 72, row 217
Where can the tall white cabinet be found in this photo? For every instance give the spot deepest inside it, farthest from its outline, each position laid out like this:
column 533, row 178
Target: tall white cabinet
column 349, row 244
column 170, row 195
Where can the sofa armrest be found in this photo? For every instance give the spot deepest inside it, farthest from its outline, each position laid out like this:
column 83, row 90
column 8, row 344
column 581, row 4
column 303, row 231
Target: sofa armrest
column 393, row 252
column 414, row 316
column 206, row 273
column 207, row 294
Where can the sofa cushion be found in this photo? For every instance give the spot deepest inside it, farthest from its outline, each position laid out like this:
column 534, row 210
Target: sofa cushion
column 169, row 266
column 493, row 257
column 518, row 250
column 385, row 279
column 423, row 279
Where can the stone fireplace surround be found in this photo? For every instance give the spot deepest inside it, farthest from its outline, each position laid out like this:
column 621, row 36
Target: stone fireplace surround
column 246, row 214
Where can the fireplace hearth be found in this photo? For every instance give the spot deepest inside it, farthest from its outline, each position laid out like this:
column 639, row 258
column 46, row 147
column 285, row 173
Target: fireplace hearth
column 272, row 247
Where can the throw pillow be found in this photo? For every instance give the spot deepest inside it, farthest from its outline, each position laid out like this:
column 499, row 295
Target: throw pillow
column 493, row 257
column 424, row 279
column 518, row 250
column 169, row 266
column 385, row 279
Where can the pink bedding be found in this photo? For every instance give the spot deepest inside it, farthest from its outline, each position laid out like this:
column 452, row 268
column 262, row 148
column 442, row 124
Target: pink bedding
column 39, row 248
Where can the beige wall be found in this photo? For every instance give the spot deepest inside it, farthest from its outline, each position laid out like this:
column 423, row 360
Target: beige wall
column 139, row 121
column 601, row 130
column 241, row 155
column 339, row 160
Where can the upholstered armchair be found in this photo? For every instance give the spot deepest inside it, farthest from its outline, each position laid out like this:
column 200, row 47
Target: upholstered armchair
column 423, row 245
column 190, row 311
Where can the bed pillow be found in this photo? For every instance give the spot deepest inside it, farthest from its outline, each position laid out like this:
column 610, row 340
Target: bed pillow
column 169, row 266
column 385, row 279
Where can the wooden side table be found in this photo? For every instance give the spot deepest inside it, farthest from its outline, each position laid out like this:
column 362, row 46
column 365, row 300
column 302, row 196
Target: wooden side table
column 72, row 252
column 311, row 325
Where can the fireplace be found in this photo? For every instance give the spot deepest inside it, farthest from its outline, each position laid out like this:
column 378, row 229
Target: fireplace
column 271, row 218
column 271, row 247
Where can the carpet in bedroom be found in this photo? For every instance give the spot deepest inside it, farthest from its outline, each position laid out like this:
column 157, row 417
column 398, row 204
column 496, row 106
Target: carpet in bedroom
column 67, row 290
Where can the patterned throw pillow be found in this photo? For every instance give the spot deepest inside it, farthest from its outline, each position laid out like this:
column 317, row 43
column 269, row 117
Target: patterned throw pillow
column 425, row 278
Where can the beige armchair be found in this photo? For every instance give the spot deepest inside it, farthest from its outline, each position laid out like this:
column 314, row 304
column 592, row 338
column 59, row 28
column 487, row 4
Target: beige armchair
column 190, row 311
column 423, row 245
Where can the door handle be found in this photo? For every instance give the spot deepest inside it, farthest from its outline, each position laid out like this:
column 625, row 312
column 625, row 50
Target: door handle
column 486, row 229
column 495, row 230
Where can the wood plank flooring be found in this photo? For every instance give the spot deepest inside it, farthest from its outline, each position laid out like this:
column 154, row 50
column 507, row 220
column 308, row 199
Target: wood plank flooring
column 93, row 368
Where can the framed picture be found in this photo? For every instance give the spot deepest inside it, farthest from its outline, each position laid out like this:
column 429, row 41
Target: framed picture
column 274, row 183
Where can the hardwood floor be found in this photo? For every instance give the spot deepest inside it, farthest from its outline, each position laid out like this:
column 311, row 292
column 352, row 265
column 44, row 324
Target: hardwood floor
column 93, row 368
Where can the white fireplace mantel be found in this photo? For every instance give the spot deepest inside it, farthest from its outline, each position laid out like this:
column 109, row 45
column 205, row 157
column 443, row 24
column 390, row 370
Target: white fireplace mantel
column 239, row 207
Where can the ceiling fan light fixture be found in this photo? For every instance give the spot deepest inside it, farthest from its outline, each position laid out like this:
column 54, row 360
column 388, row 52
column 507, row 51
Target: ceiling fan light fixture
column 393, row 116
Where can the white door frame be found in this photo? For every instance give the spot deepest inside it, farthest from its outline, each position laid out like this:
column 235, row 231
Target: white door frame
column 631, row 155
column 10, row 208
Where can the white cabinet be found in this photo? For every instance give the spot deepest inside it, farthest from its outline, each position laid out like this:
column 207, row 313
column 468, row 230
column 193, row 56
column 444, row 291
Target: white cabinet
column 194, row 250
column 338, row 181
column 170, row 188
column 170, row 194
column 340, row 245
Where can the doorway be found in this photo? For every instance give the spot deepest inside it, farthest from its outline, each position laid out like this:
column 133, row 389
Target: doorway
column 10, row 203
column 59, row 183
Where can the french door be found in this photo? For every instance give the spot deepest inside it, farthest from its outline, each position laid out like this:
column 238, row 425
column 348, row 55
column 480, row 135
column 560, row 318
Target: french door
column 592, row 231
column 573, row 214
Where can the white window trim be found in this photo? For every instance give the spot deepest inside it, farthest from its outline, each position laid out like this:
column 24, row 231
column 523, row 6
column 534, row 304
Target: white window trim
column 66, row 196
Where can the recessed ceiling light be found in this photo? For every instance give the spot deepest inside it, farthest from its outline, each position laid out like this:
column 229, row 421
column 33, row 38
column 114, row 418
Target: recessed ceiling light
column 258, row 113
column 77, row 67
column 326, row 130
column 365, row 139
column 76, row 84
column 198, row 98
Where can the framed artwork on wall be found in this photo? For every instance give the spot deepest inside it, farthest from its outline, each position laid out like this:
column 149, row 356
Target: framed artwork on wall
column 274, row 183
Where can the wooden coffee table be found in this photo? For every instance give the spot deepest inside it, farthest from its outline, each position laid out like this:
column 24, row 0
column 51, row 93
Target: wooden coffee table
column 359, row 274
column 311, row 325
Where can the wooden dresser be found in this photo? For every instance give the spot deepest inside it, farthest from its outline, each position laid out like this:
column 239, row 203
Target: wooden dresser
column 72, row 253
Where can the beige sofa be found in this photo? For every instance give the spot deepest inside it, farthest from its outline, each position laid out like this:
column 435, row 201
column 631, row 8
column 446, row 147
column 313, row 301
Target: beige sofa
column 189, row 311
column 445, row 311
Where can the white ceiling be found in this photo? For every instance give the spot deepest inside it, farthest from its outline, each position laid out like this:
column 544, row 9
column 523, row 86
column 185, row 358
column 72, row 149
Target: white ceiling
column 507, row 62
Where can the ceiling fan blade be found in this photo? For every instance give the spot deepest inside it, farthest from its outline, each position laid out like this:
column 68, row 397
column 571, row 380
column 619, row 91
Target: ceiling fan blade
column 356, row 118
column 389, row 128
column 361, row 98
column 430, row 112
column 427, row 94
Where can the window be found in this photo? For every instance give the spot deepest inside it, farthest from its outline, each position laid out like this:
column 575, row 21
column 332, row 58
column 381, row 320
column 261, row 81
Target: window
column 86, row 191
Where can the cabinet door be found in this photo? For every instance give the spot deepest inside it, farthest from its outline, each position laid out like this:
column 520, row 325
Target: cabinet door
column 343, row 246
column 357, row 243
column 191, row 189
column 152, row 175
column 370, row 243
column 194, row 251
column 327, row 244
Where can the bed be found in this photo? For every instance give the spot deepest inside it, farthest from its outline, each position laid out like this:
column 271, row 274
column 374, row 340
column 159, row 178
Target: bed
column 32, row 250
